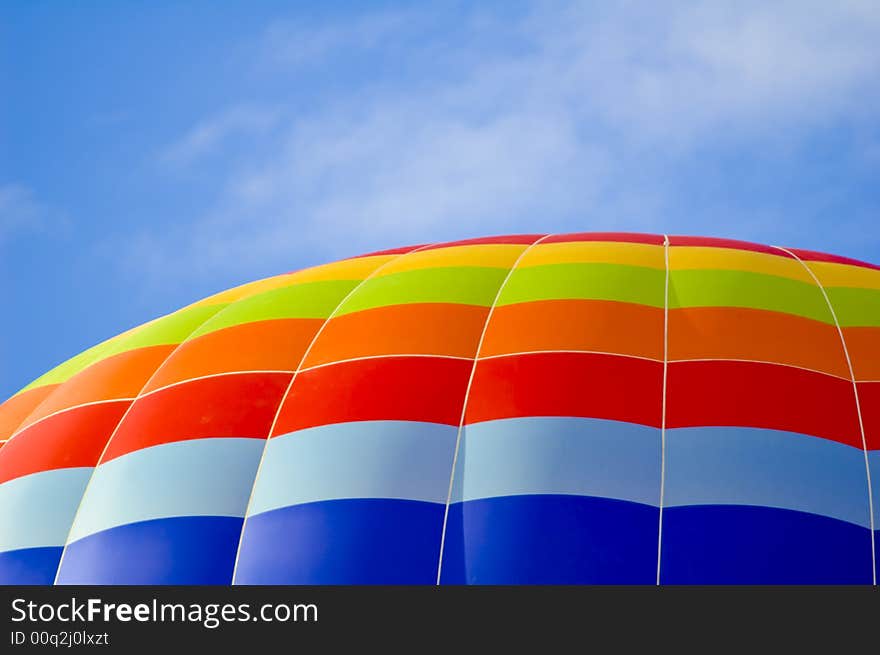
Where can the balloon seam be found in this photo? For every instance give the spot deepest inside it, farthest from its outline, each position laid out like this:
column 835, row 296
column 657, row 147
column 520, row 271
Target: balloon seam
column 114, row 433
column 284, row 397
column 858, row 408
column 467, row 395
column 663, row 404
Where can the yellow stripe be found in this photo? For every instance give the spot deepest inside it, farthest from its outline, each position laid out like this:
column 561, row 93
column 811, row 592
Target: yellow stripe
column 348, row 269
column 595, row 252
column 844, row 275
column 697, row 257
column 490, row 256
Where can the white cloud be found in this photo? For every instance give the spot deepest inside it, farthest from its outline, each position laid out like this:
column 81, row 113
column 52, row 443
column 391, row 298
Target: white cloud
column 574, row 127
column 674, row 71
column 209, row 135
column 290, row 44
column 20, row 211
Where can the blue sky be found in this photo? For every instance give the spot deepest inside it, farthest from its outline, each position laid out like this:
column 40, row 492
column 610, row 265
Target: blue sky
column 154, row 153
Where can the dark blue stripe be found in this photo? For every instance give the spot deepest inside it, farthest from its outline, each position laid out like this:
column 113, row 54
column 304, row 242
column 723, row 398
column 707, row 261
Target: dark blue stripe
column 30, row 566
column 877, row 556
column 352, row 541
column 738, row 544
column 550, row 539
column 169, row 551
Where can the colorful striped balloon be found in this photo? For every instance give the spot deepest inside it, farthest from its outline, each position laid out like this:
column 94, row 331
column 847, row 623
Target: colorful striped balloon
column 579, row 408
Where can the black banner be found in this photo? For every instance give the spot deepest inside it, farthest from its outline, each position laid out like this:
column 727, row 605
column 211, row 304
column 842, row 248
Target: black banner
column 130, row 619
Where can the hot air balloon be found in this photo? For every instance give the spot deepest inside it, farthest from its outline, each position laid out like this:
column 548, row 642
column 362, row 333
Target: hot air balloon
column 581, row 408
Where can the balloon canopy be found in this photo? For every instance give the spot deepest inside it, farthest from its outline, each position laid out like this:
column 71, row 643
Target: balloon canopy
column 578, row 408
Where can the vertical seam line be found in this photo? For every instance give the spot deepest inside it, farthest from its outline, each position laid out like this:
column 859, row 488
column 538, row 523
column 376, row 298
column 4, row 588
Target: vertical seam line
column 663, row 404
column 467, row 395
column 116, row 430
column 858, row 408
column 290, row 388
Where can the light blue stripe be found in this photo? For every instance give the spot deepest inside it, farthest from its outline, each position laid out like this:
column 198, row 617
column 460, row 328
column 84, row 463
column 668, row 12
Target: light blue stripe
column 198, row 477
column 559, row 455
column 36, row 509
column 769, row 468
column 365, row 459
column 874, row 464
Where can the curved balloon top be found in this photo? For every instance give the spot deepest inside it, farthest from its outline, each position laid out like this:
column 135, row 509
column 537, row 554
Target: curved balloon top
column 578, row 408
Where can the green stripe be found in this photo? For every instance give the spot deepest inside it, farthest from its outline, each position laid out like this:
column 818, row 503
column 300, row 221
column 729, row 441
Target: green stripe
column 73, row 365
column 634, row 284
column 855, row 307
column 468, row 285
column 171, row 329
column 724, row 288
column 307, row 300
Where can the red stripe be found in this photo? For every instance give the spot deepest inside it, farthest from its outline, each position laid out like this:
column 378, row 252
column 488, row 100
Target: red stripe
column 711, row 242
column 502, row 239
column 813, row 256
column 427, row 389
column 751, row 394
column 869, row 402
column 240, row 405
column 620, row 237
column 567, row 384
column 390, row 251
column 68, row 439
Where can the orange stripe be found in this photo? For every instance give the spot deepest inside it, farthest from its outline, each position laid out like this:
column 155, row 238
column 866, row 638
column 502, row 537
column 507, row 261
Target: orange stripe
column 863, row 344
column 273, row 345
column 119, row 376
column 406, row 329
column 15, row 410
column 586, row 325
column 755, row 335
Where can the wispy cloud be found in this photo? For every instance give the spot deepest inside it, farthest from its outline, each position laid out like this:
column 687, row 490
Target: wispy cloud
column 20, row 211
column 292, row 44
column 210, row 134
column 563, row 118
